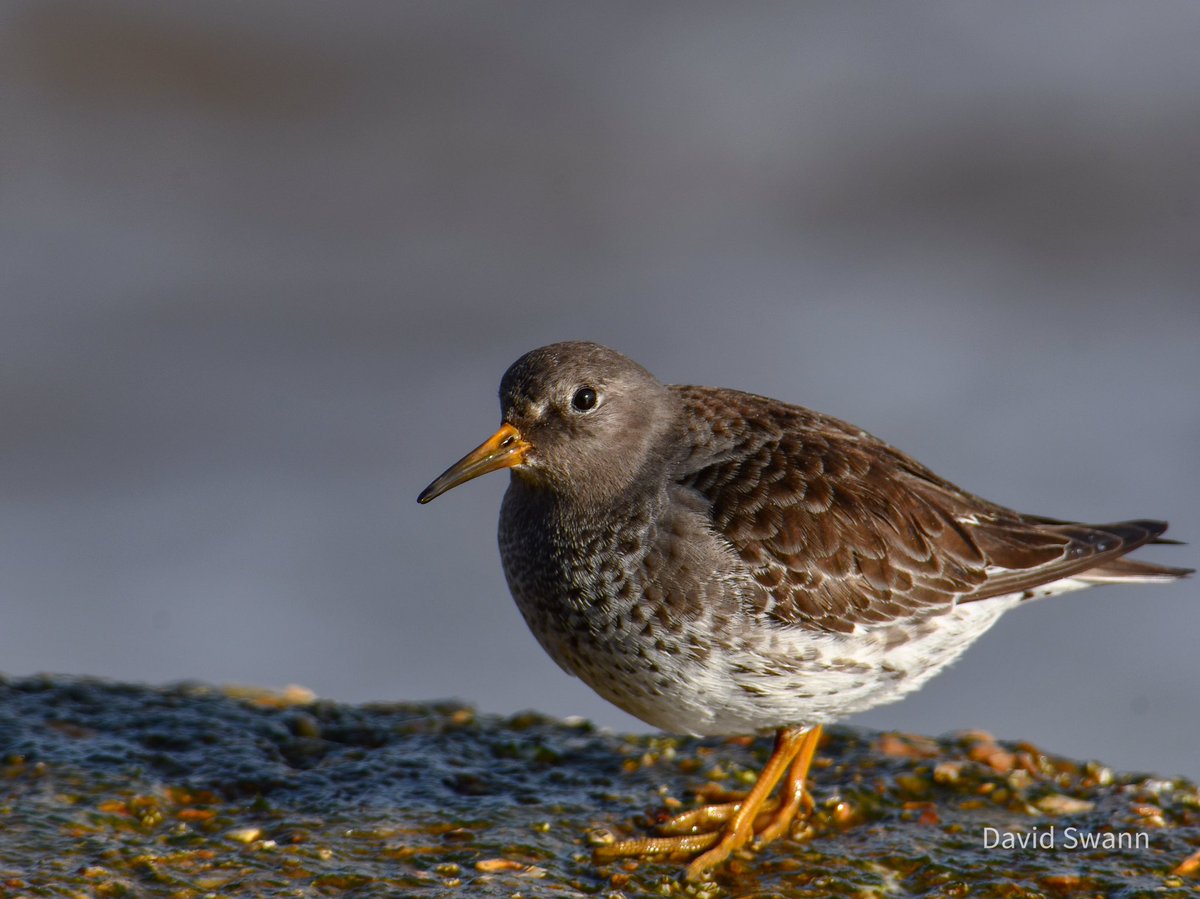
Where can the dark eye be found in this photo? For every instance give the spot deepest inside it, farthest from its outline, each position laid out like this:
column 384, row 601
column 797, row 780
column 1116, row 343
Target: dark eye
column 584, row 400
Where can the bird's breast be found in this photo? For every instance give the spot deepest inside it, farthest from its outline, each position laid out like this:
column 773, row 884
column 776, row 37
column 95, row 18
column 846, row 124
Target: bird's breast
column 607, row 593
column 569, row 570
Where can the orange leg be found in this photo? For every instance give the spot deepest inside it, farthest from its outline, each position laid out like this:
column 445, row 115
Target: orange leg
column 794, row 794
column 741, row 819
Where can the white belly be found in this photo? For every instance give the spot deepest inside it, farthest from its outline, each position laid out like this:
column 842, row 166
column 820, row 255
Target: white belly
column 797, row 678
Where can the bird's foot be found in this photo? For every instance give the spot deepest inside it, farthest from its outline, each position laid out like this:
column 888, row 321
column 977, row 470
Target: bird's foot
column 707, row 826
column 717, row 830
column 724, row 805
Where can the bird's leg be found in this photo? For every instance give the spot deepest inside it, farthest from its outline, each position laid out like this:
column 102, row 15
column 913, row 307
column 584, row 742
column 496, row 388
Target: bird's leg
column 739, row 817
column 794, row 793
column 740, row 829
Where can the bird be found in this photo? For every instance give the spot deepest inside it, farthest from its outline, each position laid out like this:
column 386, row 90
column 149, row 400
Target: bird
column 716, row 562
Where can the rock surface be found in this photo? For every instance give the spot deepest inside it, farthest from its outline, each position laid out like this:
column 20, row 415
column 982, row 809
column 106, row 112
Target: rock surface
column 191, row 791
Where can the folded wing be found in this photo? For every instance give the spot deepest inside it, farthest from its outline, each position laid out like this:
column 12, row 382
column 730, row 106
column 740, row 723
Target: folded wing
column 842, row 530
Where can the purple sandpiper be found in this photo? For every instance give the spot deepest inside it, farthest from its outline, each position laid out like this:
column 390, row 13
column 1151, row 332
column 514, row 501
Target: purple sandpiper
column 715, row 562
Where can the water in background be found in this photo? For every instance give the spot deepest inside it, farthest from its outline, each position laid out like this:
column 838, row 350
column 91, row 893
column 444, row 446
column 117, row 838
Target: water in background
column 261, row 267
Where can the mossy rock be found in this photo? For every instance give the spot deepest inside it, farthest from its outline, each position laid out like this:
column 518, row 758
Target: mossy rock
column 191, row 791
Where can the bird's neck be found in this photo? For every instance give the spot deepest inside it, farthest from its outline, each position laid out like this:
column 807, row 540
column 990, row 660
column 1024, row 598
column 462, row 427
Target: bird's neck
column 591, row 512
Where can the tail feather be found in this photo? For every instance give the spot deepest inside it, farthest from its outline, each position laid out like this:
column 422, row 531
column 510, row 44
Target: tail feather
column 1167, row 541
column 1133, row 571
column 1070, row 555
column 1119, row 569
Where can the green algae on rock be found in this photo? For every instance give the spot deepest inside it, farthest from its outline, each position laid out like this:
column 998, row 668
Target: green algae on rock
column 188, row 791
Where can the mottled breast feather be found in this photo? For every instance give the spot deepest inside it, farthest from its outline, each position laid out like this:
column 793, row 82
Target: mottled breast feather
column 842, row 530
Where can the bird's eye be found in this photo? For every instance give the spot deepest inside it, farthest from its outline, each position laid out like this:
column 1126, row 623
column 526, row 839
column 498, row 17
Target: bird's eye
column 584, row 400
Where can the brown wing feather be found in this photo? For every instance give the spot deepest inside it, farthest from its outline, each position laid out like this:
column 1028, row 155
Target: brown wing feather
column 840, row 529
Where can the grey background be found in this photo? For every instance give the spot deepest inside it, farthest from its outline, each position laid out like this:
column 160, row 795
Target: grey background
column 262, row 265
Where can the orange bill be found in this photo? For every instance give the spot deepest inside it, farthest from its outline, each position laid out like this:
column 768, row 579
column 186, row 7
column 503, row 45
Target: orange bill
column 504, row 449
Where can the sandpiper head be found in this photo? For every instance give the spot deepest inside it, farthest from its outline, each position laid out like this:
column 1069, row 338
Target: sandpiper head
column 578, row 418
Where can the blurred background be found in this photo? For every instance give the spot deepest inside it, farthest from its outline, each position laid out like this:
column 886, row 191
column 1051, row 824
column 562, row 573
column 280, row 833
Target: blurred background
column 262, row 266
